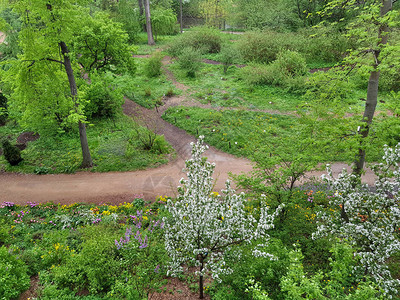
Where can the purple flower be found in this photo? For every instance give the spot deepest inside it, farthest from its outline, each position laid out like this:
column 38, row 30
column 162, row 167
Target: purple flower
column 157, row 269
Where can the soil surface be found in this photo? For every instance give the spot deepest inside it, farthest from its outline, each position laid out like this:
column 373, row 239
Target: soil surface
column 118, row 187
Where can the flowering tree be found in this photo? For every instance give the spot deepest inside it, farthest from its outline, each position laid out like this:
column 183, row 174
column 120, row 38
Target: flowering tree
column 371, row 220
column 203, row 224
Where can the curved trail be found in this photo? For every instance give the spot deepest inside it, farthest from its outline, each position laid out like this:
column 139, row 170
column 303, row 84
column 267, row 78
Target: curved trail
column 117, row 187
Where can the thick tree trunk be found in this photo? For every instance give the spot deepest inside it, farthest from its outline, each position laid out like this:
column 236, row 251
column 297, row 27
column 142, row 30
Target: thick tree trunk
column 180, row 15
column 372, row 91
column 87, row 159
column 150, row 39
column 141, row 12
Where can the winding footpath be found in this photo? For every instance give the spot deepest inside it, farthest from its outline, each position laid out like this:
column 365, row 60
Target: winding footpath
column 118, row 187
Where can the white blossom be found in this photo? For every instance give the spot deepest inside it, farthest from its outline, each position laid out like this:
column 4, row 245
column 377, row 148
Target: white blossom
column 369, row 219
column 204, row 224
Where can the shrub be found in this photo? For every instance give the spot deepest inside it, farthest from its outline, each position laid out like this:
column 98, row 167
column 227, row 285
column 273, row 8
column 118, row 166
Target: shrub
column 153, row 65
column 95, row 266
column 103, row 99
column 323, row 45
column 261, row 47
column 13, row 275
column 258, row 74
column 11, row 153
column 203, row 39
column 291, row 63
column 228, row 56
column 190, row 61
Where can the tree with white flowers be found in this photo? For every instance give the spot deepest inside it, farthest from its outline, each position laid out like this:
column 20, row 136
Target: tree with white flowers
column 203, row 224
column 369, row 219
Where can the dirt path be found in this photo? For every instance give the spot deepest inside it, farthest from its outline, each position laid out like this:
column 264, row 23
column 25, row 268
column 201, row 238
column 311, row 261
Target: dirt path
column 117, row 187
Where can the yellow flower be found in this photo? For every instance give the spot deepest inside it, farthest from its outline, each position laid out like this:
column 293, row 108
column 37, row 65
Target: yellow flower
column 106, row 213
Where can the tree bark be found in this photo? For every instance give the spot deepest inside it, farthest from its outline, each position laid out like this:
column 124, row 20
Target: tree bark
column 150, row 39
column 180, row 15
column 87, row 159
column 372, row 92
column 140, row 2
column 201, row 289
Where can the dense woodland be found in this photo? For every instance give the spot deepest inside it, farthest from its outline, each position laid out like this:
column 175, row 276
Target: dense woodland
column 291, row 85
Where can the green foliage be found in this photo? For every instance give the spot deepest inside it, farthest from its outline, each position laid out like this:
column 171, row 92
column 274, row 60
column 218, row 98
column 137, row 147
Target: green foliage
column 11, row 153
column 266, row 272
column 316, row 45
column 92, row 266
column 228, row 56
column 261, row 47
column 339, row 282
column 163, row 21
column 189, row 61
column 102, row 44
column 130, row 18
column 152, row 68
column 104, row 99
column 256, row 14
column 111, row 141
column 13, row 275
column 10, row 25
column 203, row 39
column 291, row 63
column 286, row 71
column 3, row 109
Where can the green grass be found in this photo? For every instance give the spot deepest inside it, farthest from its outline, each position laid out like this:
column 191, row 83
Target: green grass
column 143, row 90
column 251, row 134
column 142, row 48
column 113, row 144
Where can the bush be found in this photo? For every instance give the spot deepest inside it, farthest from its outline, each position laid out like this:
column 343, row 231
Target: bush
column 153, row 65
column 261, row 47
column 323, row 45
column 190, row 61
column 95, row 267
column 11, row 153
column 203, row 39
column 13, row 275
column 317, row 45
column 228, row 56
column 258, row 74
column 286, row 71
column 291, row 63
column 103, row 98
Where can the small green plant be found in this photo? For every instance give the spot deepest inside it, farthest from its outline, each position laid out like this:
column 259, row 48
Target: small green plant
column 190, row 61
column 103, row 98
column 11, row 153
column 153, row 65
column 14, row 278
column 228, row 56
column 170, row 92
column 147, row 92
column 42, row 170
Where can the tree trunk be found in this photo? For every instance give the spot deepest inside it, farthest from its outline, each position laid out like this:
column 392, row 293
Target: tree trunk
column 140, row 2
column 87, row 159
column 150, row 39
column 180, row 15
column 372, row 91
column 201, row 289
